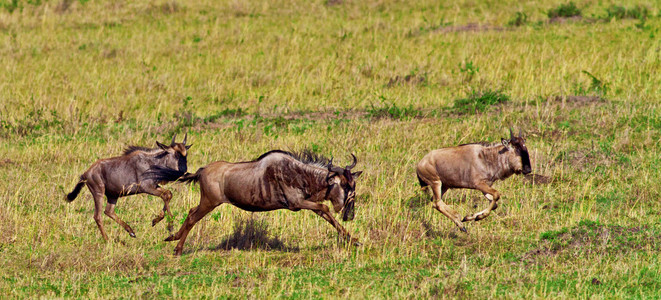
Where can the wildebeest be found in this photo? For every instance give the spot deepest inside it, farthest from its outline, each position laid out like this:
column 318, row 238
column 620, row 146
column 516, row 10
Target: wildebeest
column 472, row 166
column 126, row 175
column 276, row 180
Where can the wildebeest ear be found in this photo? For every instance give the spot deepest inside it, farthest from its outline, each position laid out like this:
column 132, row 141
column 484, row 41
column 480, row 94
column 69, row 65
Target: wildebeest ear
column 329, row 179
column 188, row 146
column 505, row 142
column 356, row 174
column 164, row 147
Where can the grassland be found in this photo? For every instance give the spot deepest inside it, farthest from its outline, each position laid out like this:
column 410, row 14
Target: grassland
column 387, row 80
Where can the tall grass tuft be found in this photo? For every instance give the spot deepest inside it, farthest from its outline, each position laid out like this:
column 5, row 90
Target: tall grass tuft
column 480, row 101
column 567, row 10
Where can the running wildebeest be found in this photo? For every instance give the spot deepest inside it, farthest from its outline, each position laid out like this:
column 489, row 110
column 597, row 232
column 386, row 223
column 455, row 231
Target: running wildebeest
column 276, row 180
column 126, row 175
column 472, row 166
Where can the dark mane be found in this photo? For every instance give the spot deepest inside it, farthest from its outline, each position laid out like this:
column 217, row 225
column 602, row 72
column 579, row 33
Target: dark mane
column 481, row 143
column 306, row 156
column 132, row 148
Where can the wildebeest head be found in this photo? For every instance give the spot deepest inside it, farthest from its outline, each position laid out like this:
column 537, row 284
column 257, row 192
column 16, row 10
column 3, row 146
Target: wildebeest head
column 342, row 188
column 175, row 154
column 519, row 159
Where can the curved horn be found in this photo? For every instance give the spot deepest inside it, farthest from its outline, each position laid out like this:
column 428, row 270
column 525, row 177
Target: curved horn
column 519, row 132
column 354, row 162
column 511, row 134
column 185, row 137
column 173, row 137
column 337, row 170
column 334, row 169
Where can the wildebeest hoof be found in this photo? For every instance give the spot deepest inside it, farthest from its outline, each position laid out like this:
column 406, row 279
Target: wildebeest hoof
column 170, row 238
column 155, row 221
column 463, row 229
column 356, row 243
column 132, row 234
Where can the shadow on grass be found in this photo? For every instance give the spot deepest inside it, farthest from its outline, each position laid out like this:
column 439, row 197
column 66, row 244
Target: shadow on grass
column 420, row 201
column 252, row 234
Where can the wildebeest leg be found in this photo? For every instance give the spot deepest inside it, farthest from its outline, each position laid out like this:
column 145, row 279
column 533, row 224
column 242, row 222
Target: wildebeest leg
column 323, row 211
column 445, row 209
column 97, row 188
column 98, row 207
column 194, row 215
column 166, row 196
column 492, row 195
column 110, row 212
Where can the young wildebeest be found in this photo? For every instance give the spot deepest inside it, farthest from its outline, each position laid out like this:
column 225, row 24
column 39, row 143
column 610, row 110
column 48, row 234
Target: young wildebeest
column 472, row 166
column 275, row 180
column 126, row 175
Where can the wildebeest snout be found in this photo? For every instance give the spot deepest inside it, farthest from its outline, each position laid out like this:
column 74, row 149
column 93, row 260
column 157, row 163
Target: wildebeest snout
column 527, row 170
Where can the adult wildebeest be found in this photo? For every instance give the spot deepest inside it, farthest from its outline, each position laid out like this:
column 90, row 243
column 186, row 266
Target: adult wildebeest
column 275, row 180
column 472, row 166
column 126, row 175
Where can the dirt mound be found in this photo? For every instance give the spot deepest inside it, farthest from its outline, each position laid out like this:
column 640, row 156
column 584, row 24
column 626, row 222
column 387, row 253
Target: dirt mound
column 537, row 179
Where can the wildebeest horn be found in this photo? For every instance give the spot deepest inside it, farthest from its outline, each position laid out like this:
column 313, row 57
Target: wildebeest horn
column 185, row 137
column 511, row 134
column 334, row 169
column 173, row 137
column 354, row 162
column 519, row 132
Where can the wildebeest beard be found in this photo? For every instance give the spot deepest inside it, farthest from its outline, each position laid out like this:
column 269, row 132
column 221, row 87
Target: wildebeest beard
column 348, row 212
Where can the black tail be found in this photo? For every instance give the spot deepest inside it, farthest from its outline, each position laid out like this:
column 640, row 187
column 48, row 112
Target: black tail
column 422, row 183
column 163, row 174
column 189, row 177
column 71, row 196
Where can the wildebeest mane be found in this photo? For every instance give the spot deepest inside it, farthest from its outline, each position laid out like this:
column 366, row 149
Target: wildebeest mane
column 482, row 143
column 132, row 148
column 305, row 156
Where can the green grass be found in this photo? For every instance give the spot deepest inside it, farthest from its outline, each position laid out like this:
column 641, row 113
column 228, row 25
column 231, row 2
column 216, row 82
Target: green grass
column 620, row 12
column 479, row 101
column 566, row 10
column 388, row 81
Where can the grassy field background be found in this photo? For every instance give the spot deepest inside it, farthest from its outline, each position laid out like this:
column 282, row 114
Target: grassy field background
column 386, row 80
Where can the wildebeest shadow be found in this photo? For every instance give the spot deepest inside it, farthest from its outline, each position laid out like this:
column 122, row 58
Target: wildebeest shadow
column 417, row 204
column 252, row 234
